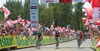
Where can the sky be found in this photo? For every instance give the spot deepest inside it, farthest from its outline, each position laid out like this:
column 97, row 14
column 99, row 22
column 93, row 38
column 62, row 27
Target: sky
column 4, row 1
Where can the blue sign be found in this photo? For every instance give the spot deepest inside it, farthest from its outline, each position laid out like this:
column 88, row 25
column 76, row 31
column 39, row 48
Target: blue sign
column 34, row 13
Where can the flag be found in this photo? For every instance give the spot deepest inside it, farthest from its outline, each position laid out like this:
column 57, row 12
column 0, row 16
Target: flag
column 88, row 9
column 8, row 23
column 87, row 5
column 25, row 21
column 14, row 22
column 26, row 24
column 98, row 43
column 52, row 26
column 6, row 12
column 95, row 15
column 98, row 22
column 89, row 12
column 87, row 22
column 84, row 20
column 95, row 3
column 89, row 1
column 19, row 18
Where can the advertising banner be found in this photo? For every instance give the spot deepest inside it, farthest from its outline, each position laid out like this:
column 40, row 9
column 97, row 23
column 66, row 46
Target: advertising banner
column 6, row 41
column 34, row 13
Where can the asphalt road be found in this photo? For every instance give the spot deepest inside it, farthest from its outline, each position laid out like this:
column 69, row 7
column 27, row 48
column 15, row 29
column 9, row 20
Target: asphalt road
column 66, row 46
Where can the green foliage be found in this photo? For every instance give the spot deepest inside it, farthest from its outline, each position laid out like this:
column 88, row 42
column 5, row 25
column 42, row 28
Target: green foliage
column 45, row 15
column 78, row 14
column 26, row 10
column 1, row 15
column 61, row 13
column 15, row 6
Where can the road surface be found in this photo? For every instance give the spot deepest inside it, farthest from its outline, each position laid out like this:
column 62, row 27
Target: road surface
column 67, row 46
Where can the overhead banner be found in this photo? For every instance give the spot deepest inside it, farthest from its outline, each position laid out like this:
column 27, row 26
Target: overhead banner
column 34, row 13
column 95, row 15
column 49, row 1
column 65, row 1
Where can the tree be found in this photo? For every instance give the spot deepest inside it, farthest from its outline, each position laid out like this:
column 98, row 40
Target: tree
column 57, row 11
column 67, row 13
column 15, row 6
column 1, row 15
column 26, row 10
column 60, row 13
column 78, row 15
column 45, row 15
